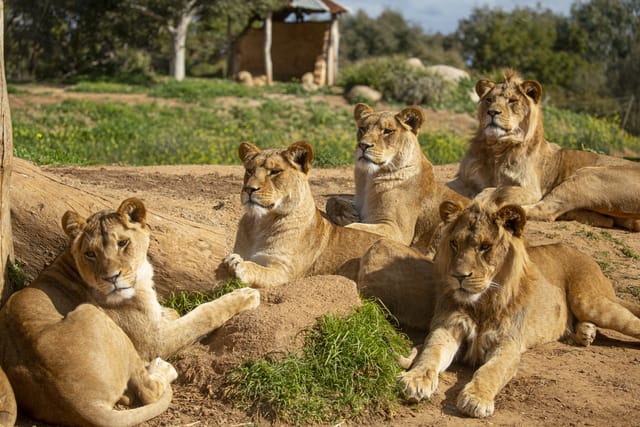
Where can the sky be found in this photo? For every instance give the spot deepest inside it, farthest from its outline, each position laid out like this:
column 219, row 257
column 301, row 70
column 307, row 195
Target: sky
column 443, row 16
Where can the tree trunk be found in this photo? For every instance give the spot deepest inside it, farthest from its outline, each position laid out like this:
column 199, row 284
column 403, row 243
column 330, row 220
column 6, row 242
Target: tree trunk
column 179, row 39
column 6, row 157
column 268, row 67
column 8, row 407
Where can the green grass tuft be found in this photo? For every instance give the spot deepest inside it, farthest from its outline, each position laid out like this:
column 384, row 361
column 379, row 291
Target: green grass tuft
column 183, row 302
column 346, row 369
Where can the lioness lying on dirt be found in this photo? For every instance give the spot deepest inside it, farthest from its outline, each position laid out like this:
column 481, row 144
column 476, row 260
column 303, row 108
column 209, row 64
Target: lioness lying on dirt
column 497, row 297
column 282, row 235
column 396, row 195
column 510, row 152
column 89, row 332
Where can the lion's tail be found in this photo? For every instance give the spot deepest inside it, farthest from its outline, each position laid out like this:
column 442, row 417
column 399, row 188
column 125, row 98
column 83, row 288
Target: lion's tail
column 103, row 416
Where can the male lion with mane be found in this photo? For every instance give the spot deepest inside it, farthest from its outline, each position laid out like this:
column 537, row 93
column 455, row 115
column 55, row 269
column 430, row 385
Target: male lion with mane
column 89, row 332
column 282, row 235
column 497, row 297
column 396, row 194
column 510, row 152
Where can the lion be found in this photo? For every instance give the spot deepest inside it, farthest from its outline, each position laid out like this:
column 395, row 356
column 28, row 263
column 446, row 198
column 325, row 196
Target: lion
column 282, row 235
column 396, row 193
column 509, row 151
column 89, row 332
column 497, row 297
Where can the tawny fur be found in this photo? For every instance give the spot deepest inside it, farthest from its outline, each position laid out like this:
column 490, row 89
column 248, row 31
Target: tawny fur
column 282, row 236
column 497, row 298
column 396, row 194
column 89, row 331
column 510, row 152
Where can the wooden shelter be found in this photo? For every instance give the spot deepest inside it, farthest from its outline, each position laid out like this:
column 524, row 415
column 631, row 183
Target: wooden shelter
column 289, row 44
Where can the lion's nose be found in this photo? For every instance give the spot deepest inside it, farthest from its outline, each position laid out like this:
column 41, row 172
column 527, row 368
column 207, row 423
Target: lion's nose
column 494, row 113
column 363, row 145
column 250, row 189
column 461, row 276
column 114, row 278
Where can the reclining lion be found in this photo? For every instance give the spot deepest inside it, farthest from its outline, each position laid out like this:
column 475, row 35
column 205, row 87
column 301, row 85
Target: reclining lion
column 510, row 152
column 89, row 332
column 396, row 194
column 497, row 297
column 282, row 236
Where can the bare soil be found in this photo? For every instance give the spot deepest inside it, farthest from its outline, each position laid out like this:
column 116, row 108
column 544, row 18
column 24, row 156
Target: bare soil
column 557, row 383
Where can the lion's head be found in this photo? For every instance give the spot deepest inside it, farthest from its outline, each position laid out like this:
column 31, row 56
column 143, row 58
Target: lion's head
column 481, row 250
column 386, row 140
column 275, row 179
column 110, row 250
column 509, row 111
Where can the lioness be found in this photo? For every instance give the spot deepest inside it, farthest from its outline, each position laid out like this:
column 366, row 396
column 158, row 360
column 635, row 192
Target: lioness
column 282, row 235
column 498, row 297
column 509, row 151
column 89, row 331
column 396, row 193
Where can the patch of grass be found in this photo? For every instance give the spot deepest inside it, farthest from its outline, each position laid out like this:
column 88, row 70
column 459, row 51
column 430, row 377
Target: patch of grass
column 16, row 276
column 622, row 246
column 347, row 368
column 106, row 87
column 633, row 290
column 184, row 302
column 588, row 234
column 603, row 258
column 442, row 148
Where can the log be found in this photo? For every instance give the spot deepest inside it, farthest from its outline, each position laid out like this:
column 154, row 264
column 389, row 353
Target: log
column 184, row 254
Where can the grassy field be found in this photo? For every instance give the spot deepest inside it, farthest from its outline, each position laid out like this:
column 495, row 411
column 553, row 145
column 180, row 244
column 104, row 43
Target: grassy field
column 207, row 119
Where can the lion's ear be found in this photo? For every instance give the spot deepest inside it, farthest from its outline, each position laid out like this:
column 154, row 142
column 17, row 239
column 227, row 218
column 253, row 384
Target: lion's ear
column 361, row 110
column 133, row 210
column 512, row 218
column 449, row 211
column 301, row 153
column 483, row 87
column 72, row 224
column 532, row 89
column 247, row 149
column 412, row 117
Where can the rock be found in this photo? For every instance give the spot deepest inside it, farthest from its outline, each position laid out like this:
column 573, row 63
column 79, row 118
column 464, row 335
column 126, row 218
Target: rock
column 363, row 93
column 448, row 73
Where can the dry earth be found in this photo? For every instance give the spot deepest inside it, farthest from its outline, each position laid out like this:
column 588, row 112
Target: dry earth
column 557, row 383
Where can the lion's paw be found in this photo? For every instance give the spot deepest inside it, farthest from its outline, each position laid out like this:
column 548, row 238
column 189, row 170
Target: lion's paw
column 417, row 386
column 341, row 211
column 162, row 369
column 251, row 295
column 472, row 403
column 235, row 264
column 585, row 333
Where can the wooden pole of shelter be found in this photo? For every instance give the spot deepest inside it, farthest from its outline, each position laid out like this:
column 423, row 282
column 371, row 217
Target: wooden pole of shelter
column 332, row 51
column 268, row 66
column 6, row 157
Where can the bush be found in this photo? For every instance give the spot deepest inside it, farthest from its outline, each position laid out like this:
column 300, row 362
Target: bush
column 397, row 81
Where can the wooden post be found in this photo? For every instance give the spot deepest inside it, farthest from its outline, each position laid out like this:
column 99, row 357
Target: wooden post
column 335, row 43
column 268, row 67
column 6, row 157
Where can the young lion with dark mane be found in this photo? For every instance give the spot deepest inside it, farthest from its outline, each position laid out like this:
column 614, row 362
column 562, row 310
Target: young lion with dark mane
column 497, row 297
column 510, row 152
column 89, row 332
column 282, row 235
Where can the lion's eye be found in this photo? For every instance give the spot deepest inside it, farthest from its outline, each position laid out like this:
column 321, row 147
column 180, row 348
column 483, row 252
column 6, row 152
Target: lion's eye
column 249, row 172
column 388, row 131
column 90, row 255
column 361, row 130
column 123, row 243
column 454, row 245
column 485, row 247
column 274, row 172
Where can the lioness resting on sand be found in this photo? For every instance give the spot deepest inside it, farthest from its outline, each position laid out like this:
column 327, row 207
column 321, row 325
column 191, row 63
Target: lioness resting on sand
column 510, row 152
column 282, row 235
column 89, row 332
column 396, row 194
column 497, row 297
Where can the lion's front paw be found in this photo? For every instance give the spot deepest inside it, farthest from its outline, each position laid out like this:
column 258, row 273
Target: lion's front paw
column 472, row 402
column 417, row 386
column 162, row 369
column 251, row 296
column 585, row 333
column 235, row 264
